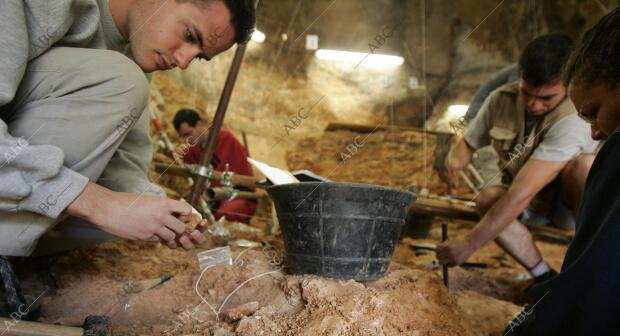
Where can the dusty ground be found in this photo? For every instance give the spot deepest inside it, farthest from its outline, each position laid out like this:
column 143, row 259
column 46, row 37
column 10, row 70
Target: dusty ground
column 409, row 300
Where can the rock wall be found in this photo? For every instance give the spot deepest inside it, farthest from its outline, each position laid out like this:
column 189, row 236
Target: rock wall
column 450, row 47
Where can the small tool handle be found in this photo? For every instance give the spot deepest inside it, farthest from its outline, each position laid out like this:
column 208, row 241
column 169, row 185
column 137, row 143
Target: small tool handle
column 27, row 328
column 444, row 237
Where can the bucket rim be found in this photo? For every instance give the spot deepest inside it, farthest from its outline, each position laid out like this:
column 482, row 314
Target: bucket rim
column 342, row 185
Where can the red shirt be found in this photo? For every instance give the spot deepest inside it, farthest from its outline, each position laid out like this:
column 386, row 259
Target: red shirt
column 228, row 150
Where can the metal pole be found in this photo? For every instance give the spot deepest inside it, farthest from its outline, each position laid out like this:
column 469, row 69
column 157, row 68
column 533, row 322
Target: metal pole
column 174, row 170
column 444, row 237
column 218, row 119
column 225, row 194
column 245, row 144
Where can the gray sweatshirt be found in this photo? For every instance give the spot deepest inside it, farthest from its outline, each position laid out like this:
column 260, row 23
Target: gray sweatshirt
column 30, row 173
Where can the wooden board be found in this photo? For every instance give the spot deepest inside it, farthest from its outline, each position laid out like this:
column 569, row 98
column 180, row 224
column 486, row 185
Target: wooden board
column 444, row 208
column 553, row 230
column 369, row 128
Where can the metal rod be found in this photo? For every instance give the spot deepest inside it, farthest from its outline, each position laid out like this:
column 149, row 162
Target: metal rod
column 238, row 180
column 245, row 143
column 218, row 119
column 444, row 237
column 225, row 194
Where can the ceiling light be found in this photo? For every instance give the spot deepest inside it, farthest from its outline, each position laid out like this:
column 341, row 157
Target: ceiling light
column 369, row 59
column 258, row 36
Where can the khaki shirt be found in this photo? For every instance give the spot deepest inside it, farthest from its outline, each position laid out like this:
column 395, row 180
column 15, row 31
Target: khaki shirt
column 558, row 136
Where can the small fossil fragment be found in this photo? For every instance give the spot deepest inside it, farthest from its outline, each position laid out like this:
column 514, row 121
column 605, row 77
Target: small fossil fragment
column 192, row 220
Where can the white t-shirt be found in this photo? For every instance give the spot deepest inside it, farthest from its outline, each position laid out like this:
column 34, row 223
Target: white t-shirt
column 565, row 140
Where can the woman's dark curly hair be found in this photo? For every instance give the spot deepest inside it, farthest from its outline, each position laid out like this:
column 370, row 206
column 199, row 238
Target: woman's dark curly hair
column 596, row 58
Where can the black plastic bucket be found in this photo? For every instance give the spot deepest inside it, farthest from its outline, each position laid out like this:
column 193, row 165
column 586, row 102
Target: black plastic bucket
column 340, row 230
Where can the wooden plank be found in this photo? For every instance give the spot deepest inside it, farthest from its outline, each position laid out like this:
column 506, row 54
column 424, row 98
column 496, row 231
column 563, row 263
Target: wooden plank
column 369, row 128
column 442, row 208
column 553, row 230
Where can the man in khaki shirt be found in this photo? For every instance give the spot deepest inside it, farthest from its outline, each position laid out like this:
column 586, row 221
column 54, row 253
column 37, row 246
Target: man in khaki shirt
column 543, row 147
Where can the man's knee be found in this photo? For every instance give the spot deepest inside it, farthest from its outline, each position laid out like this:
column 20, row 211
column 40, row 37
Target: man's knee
column 128, row 84
column 487, row 198
column 66, row 86
column 120, row 78
column 79, row 84
column 130, row 81
column 92, row 74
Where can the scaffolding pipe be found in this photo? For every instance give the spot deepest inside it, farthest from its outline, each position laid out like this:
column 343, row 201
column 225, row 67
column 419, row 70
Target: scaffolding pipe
column 227, row 194
column 218, row 119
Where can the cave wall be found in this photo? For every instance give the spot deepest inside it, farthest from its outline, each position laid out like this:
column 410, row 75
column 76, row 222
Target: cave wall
column 451, row 47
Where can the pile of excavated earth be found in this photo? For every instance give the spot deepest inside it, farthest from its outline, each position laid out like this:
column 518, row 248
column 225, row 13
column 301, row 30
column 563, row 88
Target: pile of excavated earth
column 256, row 295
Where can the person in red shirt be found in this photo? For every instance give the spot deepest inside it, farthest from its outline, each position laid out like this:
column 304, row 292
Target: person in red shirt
column 190, row 127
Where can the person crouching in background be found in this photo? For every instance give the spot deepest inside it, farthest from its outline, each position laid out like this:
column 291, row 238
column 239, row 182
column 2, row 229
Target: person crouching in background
column 228, row 150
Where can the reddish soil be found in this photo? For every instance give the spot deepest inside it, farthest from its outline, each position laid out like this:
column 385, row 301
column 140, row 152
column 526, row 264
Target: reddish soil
column 409, row 300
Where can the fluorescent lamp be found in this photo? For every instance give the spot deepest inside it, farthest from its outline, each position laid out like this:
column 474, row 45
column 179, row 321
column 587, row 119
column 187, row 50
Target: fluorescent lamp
column 371, row 60
column 457, row 111
column 258, row 36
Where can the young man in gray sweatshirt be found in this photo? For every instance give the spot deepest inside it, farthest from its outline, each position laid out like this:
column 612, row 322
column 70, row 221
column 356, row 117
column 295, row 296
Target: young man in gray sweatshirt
column 74, row 137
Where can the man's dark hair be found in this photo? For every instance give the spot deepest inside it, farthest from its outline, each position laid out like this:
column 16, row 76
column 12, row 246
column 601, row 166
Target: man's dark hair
column 543, row 59
column 188, row 116
column 242, row 16
column 596, row 58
